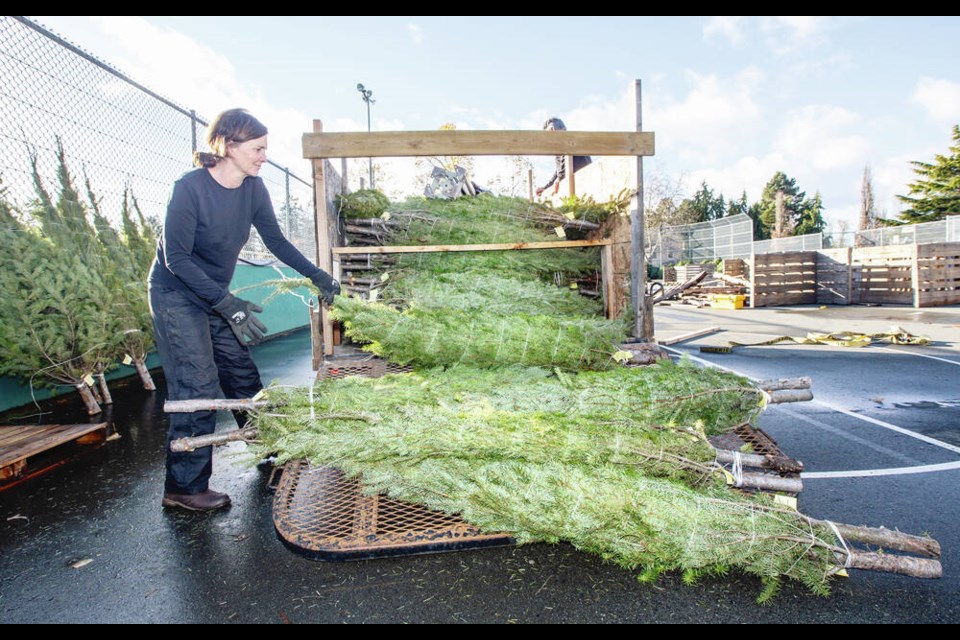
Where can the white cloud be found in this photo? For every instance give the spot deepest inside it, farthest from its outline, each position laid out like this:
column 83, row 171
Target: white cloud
column 415, row 32
column 197, row 77
column 788, row 34
column 748, row 173
column 712, row 117
column 941, row 98
column 729, row 27
column 891, row 178
column 819, row 137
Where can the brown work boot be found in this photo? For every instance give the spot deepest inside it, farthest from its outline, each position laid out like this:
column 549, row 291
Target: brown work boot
column 204, row 501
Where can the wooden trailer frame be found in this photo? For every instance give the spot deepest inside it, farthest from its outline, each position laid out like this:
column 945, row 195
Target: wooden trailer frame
column 319, row 147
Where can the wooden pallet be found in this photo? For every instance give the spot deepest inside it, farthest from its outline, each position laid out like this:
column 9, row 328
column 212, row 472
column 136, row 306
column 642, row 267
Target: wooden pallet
column 29, row 450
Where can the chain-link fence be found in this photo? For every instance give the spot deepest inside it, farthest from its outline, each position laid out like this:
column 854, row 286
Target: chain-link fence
column 114, row 132
column 729, row 237
column 807, row 242
column 732, row 237
column 947, row 230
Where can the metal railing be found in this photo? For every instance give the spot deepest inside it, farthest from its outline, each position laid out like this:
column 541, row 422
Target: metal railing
column 114, row 131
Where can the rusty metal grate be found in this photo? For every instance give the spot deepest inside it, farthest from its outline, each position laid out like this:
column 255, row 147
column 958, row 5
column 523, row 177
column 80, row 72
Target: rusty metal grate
column 317, row 511
column 367, row 366
column 743, row 434
column 760, row 442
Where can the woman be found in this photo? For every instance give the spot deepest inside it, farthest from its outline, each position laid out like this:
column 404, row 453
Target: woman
column 579, row 162
column 201, row 328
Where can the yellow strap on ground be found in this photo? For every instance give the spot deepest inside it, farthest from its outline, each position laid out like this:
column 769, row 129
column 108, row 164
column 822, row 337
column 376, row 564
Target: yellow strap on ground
column 836, row 339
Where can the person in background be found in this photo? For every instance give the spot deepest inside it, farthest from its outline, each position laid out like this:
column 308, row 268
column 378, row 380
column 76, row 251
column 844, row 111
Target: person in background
column 202, row 330
column 579, row 162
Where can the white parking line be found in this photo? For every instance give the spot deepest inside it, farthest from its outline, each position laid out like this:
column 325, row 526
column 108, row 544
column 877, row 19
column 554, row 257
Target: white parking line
column 921, row 355
column 894, row 471
column 863, row 472
column 887, row 425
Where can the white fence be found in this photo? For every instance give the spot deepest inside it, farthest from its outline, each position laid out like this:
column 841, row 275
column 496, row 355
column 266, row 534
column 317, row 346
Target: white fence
column 732, row 237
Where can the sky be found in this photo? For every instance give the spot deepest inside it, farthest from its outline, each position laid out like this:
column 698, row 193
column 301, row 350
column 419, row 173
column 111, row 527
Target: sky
column 731, row 100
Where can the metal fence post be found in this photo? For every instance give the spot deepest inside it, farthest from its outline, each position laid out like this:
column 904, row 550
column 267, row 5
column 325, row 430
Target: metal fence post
column 193, row 131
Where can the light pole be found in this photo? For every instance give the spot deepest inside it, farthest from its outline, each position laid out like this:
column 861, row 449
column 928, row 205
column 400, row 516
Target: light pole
column 366, row 93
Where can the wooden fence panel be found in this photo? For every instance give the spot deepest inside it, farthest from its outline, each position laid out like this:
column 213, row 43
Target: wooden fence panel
column 886, row 273
column 784, row 278
column 835, row 277
column 938, row 274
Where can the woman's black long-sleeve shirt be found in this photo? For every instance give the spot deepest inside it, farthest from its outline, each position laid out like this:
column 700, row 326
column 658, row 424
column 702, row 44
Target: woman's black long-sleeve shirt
column 205, row 229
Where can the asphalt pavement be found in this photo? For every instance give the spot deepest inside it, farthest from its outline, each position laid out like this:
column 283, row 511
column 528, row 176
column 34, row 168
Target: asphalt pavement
column 89, row 542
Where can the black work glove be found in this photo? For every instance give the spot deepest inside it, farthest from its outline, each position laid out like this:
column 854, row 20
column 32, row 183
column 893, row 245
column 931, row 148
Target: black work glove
column 239, row 315
column 327, row 285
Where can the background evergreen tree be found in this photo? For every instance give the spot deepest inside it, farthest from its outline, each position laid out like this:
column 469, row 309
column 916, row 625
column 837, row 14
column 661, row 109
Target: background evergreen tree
column 811, row 217
column 936, row 193
column 793, row 200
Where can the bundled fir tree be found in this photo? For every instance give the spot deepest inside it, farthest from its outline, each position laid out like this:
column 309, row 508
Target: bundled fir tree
column 75, row 292
column 127, row 279
column 616, row 463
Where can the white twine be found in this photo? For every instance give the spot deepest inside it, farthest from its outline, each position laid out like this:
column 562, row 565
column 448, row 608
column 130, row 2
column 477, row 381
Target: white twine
column 737, row 469
column 526, row 341
column 503, row 324
column 313, row 414
column 849, row 560
column 466, row 349
column 556, row 343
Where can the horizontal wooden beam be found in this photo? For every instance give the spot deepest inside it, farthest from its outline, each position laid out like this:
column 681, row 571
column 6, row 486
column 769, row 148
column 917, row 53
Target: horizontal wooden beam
column 442, row 248
column 392, row 144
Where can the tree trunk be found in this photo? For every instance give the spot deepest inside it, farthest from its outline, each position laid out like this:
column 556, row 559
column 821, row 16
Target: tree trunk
column 198, row 442
column 904, row 565
column 92, row 407
column 784, row 383
column 756, row 461
column 145, row 376
column 791, row 395
column 771, row 483
column 95, row 393
column 212, row 404
column 888, row 539
column 104, row 389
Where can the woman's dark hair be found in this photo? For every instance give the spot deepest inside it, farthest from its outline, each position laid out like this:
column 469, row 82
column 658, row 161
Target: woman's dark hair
column 233, row 125
column 557, row 124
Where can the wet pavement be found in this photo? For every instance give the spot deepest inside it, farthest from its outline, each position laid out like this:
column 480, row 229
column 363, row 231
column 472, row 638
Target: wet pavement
column 89, row 542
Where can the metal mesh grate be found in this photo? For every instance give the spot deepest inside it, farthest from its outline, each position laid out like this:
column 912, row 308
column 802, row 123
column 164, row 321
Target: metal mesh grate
column 367, row 366
column 319, row 512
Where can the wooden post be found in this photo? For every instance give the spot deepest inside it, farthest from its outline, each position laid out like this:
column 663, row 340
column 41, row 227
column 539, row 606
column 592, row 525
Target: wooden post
column 572, row 185
column 315, row 336
column 606, row 281
column 530, row 184
column 344, row 190
column 915, row 274
column 638, row 267
column 323, row 238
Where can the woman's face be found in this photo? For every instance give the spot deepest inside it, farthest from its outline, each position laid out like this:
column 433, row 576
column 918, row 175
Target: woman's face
column 248, row 156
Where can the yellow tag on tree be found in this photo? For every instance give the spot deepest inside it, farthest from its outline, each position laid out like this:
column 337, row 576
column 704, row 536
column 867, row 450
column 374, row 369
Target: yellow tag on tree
column 622, row 356
column 89, row 380
column 787, row 501
column 374, row 294
column 259, row 396
column 384, row 276
column 573, row 285
column 127, row 359
column 385, row 215
column 560, row 232
column 570, row 215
